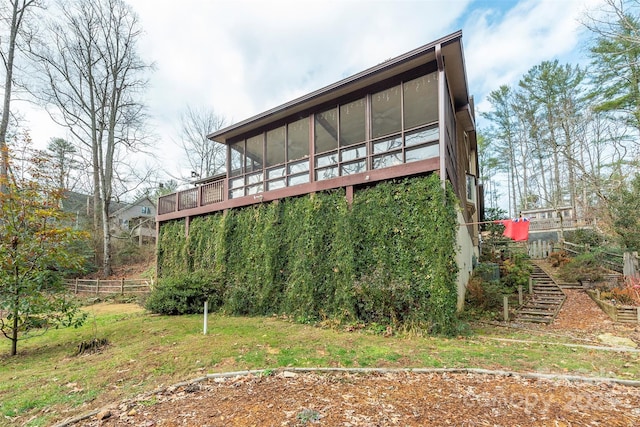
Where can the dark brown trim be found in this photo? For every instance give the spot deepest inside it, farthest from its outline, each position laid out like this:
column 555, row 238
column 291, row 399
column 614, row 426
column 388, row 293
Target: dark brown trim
column 349, row 195
column 382, row 71
column 442, row 124
column 420, row 167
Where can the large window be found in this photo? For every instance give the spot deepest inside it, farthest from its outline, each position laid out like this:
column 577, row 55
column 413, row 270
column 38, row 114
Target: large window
column 275, row 147
column 298, row 148
column 254, row 156
column 275, row 158
column 420, row 101
column 386, row 112
column 326, row 130
column 390, row 127
column 298, row 139
column 353, row 122
column 237, row 158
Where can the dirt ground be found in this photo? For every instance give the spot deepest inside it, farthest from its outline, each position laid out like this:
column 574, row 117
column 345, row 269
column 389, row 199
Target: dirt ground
column 400, row 398
column 397, row 398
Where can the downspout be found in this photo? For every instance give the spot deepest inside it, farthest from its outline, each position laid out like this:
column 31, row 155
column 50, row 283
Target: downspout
column 441, row 114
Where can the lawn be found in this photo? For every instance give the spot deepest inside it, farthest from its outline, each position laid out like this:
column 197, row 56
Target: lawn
column 46, row 382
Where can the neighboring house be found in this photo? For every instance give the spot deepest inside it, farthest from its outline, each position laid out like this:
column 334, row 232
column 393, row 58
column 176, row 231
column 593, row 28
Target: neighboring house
column 136, row 219
column 81, row 207
column 408, row 116
column 548, row 224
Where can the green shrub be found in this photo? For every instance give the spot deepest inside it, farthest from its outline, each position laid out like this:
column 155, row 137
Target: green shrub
column 184, row 294
column 584, row 236
column 583, row 267
column 515, row 271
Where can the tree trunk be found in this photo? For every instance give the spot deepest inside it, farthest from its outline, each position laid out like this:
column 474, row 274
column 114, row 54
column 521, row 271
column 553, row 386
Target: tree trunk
column 16, row 312
column 106, row 241
column 6, row 105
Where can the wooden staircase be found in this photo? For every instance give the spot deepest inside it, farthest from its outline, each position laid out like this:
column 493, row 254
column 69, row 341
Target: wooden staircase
column 544, row 304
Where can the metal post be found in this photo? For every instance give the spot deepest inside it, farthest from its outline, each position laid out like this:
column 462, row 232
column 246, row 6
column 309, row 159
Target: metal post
column 530, row 286
column 520, row 300
column 206, row 314
column 76, row 290
column 97, row 287
column 122, row 286
column 505, row 300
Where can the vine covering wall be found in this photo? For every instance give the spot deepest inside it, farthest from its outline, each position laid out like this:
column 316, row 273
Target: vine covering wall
column 389, row 258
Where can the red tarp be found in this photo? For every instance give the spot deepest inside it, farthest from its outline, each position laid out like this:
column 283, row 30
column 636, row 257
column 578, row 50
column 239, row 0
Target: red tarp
column 516, row 229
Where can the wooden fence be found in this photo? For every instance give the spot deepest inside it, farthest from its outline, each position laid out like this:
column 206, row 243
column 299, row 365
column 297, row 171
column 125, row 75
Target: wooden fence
column 630, row 267
column 109, row 287
column 609, row 260
column 617, row 313
column 540, row 249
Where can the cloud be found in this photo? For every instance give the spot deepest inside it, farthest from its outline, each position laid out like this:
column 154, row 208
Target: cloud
column 499, row 49
column 244, row 57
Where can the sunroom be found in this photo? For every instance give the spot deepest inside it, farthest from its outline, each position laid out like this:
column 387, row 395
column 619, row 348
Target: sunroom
column 407, row 116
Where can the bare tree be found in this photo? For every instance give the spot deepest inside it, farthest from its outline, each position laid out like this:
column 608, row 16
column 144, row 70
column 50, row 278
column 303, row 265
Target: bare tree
column 12, row 19
column 206, row 158
column 94, row 79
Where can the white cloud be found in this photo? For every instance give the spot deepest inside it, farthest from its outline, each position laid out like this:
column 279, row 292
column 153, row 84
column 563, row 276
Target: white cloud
column 243, row 57
column 500, row 51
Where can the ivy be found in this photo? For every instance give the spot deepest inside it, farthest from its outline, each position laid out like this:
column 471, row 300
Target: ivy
column 389, row 258
column 172, row 250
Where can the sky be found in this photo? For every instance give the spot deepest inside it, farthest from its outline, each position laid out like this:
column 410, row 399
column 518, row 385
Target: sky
column 241, row 58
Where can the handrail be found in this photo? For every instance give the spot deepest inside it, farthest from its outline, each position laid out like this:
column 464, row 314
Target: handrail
column 206, row 194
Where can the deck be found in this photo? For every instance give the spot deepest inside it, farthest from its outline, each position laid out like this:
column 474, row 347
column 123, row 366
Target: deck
column 213, row 196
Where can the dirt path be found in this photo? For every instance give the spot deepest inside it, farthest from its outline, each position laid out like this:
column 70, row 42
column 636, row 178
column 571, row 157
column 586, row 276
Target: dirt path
column 580, row 317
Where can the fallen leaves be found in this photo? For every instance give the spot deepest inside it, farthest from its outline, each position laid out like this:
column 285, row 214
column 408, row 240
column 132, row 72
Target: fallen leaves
column 383, row 399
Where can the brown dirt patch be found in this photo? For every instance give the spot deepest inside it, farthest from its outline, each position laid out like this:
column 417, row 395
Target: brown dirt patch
column 381, row 399
column 581, row 318
column 580, row 312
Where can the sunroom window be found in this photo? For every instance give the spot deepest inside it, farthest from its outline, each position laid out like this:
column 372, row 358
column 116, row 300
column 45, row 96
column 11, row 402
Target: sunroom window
column 353, row 122
column 386, row 112
column 420, row 101
column 390, row 127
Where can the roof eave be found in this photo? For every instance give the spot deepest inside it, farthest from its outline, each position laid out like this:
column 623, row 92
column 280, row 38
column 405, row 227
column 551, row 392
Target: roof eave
column 452, row 50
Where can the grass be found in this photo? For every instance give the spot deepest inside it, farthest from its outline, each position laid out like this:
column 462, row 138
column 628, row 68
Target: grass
column 46, row 383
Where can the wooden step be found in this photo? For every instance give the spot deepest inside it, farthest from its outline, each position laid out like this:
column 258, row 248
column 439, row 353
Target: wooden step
column 537, row 312
column 534, row 319
column 546, row 301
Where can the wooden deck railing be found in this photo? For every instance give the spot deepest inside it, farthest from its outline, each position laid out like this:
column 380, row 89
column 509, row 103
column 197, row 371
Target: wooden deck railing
column 188, row 199
column 206, row 194
column 555, row 224
column 212, row 192
column 167, row 203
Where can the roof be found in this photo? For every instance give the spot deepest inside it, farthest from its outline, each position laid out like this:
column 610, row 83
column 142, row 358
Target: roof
column 129, row 206
column 452, row 54
column 77, row 202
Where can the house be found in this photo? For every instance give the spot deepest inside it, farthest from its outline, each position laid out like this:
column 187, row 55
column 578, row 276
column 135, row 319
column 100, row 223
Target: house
column 549, row 224
column 136, row 219
column 80, row 206
column 409, row 116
